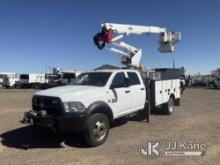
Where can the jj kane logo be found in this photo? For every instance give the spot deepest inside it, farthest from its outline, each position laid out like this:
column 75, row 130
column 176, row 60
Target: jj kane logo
column 173, row 148
column 151, row 148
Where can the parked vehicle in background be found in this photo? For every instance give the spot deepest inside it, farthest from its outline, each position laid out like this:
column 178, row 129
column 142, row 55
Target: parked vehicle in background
column 31, row 80
column 10, row 80
column 66, row 75
column 206, row 80
column 216, row 82
column 67, row 78
column 203, row 80
column 197, row 80
column 45, row 81
column 211, row 81
column 1, row 81
column 51, row 80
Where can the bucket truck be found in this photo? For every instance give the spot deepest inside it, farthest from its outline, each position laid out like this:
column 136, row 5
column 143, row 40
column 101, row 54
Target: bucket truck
column 96, row 98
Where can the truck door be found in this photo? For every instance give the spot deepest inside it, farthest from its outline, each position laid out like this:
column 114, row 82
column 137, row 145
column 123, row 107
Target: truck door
column 138, row 91
column 120, row 95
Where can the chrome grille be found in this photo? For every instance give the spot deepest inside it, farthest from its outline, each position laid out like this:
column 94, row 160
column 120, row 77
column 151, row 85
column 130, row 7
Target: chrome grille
column 52, row 105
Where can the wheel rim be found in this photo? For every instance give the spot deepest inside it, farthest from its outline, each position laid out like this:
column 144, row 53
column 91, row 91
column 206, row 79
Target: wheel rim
column 171, row 107
column 99, row 131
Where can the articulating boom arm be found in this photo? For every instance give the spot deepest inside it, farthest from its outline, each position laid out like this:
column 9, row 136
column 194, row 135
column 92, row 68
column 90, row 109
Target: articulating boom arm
column 131, row 56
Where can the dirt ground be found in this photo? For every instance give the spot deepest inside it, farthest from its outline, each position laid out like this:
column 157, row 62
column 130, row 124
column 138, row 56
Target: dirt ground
column 197, row 120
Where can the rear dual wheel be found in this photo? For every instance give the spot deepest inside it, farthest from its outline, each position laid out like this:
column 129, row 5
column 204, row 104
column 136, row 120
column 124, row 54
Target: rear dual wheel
column 170, row 106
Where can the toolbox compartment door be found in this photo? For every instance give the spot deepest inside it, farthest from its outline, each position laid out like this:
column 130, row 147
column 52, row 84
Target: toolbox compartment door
column 158, row 92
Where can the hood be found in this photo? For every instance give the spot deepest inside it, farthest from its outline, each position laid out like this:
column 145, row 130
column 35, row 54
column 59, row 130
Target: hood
column 71, row 92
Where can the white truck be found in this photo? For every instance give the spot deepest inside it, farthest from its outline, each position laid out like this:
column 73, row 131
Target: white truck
column 95, row 99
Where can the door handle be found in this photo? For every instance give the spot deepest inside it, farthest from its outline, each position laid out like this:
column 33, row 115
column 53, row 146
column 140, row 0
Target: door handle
column 128, row 91
column 142, row 89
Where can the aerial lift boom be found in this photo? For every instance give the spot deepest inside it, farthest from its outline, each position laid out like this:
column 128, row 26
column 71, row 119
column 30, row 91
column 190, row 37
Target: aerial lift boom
column 131, row 55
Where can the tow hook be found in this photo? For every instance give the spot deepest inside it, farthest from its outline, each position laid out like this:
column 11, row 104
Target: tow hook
column 29, row 116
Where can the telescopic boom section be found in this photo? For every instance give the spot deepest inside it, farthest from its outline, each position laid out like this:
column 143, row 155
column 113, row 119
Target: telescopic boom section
column 111, row 35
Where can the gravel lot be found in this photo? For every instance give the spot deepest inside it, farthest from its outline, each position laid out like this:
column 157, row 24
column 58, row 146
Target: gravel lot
column 197, row 120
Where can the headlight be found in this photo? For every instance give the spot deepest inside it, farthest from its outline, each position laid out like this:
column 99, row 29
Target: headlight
column 74, row 106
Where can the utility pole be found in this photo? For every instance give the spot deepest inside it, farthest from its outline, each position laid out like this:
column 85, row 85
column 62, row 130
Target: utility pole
column 174, row 64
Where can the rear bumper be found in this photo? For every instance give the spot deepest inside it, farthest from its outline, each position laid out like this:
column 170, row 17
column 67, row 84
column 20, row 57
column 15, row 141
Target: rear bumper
column 70, row 122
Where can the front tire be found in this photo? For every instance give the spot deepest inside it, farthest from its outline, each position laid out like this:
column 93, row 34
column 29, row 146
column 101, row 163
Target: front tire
column 97, row 129
column 170, row 106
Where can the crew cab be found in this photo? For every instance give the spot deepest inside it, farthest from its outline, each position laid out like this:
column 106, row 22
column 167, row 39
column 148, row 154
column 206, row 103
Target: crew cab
column 95, row 99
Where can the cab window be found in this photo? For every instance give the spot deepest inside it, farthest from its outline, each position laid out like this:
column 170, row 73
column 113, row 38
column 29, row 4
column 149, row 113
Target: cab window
column 118, row 80
column 133, row 79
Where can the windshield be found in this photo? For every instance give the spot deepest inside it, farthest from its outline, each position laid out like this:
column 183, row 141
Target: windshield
column 24, row 76
column 68, row 75
column 92, row 78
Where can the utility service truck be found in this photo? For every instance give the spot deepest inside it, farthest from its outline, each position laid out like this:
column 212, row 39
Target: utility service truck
column 96, row 98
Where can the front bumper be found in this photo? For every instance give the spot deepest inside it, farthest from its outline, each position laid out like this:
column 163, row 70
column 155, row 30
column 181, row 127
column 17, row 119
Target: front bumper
column 67, row 122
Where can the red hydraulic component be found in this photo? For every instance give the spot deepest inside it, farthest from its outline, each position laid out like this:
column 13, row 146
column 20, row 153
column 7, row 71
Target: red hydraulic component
column 100, row 39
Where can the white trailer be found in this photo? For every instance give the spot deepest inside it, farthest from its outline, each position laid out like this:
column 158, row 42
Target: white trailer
column 67, row 75
column 8, row 79
column 1, row 81
column 31, row 80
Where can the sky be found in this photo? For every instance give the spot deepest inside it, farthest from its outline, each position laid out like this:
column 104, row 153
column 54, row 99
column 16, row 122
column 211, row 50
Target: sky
column 58, row 33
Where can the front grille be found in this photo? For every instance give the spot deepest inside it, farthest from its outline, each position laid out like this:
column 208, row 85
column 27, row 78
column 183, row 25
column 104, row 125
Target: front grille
column 53, row 105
